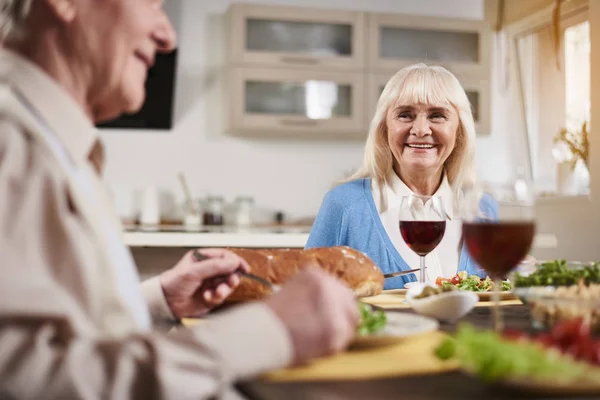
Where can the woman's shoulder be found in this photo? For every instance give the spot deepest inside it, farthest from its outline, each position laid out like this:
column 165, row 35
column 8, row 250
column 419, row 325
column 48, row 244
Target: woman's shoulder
column 349, row 192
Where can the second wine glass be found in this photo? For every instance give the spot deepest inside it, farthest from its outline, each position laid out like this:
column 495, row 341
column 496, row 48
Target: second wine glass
column 498, row 231
column 422, row 225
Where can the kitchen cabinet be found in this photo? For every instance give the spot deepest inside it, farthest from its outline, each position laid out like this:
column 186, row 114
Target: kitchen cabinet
column 397, row 40
column 308, row 73
column 296, row 103
column 293, row 37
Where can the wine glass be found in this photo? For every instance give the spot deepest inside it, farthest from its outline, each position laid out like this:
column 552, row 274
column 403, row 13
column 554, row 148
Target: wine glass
column 498, row 230
column 422, row 225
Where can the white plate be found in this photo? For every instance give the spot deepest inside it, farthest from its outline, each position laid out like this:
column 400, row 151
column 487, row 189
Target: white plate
column 483, row 296
column 504, row 295
column 399, row 326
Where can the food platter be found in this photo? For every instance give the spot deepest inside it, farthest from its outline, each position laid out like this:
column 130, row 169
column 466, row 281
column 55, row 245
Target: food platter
column 483, row 296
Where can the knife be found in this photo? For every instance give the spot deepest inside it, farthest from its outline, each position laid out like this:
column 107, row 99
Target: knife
column 395, row 274
column 274, row 287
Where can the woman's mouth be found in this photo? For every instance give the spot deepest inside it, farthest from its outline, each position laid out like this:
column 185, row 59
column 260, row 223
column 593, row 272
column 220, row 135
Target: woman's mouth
column 420, row 146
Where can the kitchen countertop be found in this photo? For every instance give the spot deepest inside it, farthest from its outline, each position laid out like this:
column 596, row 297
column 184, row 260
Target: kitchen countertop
column 255, row 237
column 180, row 236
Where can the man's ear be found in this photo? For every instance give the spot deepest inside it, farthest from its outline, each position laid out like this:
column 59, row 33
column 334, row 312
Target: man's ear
column 62, row 9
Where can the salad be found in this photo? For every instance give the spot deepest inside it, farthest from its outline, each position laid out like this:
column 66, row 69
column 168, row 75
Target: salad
column 371, row 321
column 558, row 273
column 493, row 357
column 471, row 283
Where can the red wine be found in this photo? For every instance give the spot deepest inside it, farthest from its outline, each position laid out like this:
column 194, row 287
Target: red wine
column 498, row 246
column 422, row 236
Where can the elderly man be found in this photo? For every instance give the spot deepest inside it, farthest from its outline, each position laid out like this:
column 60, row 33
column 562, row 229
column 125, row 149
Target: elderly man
column 74, row 322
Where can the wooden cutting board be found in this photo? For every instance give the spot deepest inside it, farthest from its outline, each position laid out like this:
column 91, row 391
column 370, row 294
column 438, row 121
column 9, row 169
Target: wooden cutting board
column 413, row 356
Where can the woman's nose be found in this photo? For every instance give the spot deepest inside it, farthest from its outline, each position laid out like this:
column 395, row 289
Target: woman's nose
column 420, row 127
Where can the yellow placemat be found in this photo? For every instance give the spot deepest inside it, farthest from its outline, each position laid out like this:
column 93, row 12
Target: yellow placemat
column 514, row 302
column 413, row 356
column 387, row 300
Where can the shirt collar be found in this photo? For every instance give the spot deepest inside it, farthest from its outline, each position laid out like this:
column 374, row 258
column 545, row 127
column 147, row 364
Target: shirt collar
column 55, row 105
column 399, row 189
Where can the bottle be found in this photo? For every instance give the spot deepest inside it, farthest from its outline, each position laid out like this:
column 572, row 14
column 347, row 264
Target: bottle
column 244, row 206
column 213, row 214
column 150, row 209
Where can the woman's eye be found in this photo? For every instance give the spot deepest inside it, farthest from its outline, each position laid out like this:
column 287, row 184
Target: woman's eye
column 404, row 115
column 438, row 116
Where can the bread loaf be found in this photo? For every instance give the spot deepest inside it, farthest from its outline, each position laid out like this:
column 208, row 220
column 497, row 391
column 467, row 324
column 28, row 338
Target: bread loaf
column 279, row 265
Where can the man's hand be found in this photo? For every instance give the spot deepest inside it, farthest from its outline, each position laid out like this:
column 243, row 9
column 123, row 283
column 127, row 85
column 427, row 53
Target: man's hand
column 320, row 313
column 192, row 288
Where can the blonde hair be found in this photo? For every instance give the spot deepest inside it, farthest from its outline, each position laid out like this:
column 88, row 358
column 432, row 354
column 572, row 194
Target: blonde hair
column 422, row 84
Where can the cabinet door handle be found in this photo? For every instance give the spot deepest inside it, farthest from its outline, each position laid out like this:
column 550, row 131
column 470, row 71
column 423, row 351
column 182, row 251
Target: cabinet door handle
column 300, row 60
column 299, row 122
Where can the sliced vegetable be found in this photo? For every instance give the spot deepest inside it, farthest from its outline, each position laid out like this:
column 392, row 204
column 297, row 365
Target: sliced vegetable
column 372, row 321
column 491, row 357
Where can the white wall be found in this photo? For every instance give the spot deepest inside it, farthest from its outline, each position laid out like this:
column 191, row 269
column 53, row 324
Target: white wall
column 289, row 175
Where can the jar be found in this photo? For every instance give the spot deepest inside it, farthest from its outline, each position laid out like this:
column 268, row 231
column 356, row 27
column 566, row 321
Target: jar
column 213, row 212
column 244, row 206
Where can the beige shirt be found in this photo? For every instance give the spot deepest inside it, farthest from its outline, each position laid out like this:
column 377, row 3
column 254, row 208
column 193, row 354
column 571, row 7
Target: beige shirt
column 443, row 260
column 73, row 320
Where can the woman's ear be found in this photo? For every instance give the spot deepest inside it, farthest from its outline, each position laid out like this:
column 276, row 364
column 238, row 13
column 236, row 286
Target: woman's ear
column 64, row 10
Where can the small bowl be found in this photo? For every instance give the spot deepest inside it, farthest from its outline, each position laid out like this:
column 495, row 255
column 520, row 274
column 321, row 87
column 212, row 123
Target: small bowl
column 448, row 306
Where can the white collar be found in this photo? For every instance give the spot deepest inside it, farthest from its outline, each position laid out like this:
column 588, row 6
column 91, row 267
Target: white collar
column 398, row 189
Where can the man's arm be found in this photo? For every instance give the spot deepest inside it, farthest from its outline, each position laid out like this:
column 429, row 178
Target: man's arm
column 51, row 346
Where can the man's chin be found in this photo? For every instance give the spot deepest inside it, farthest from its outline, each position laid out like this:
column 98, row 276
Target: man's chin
column 113, row 112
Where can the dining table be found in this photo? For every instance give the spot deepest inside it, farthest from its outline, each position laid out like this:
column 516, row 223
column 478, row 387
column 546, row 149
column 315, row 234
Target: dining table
column 427, row 385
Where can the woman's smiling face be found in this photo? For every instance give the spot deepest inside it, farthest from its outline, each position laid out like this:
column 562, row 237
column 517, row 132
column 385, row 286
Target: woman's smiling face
column 421, row 136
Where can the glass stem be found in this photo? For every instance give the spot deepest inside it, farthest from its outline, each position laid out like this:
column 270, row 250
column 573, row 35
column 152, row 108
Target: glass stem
column 422, row 271
column 498, row 322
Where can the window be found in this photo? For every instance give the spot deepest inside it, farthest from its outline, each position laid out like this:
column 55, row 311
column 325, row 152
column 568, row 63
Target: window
column 556, row 96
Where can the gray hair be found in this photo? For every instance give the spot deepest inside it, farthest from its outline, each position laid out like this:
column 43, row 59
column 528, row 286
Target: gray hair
column 13, row 14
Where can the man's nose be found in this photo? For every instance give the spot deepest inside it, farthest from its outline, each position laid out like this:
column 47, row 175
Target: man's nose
column 165, row 35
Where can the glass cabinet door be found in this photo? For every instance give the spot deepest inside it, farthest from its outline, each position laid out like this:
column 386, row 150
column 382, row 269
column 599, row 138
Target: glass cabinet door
column 296, row 37
column 281, row 100
column 312, row 99
column 442, row 46
column 398, row 40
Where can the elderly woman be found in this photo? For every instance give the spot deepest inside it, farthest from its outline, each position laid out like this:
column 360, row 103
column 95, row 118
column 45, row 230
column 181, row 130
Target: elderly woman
column 421, row 141
column 76, row 323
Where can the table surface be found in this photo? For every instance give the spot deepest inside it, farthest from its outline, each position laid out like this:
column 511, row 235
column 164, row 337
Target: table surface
column 453, row 385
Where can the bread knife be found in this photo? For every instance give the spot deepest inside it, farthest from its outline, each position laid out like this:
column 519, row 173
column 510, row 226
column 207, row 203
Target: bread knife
column 395, row 274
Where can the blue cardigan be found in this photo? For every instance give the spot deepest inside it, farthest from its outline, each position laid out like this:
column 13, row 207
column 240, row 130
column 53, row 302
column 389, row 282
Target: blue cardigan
column 349, row 217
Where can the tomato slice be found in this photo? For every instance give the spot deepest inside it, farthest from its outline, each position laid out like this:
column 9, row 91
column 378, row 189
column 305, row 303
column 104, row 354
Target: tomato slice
column 455, row 280
column 441, row 280
column 567, row 332
column 545, row 340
